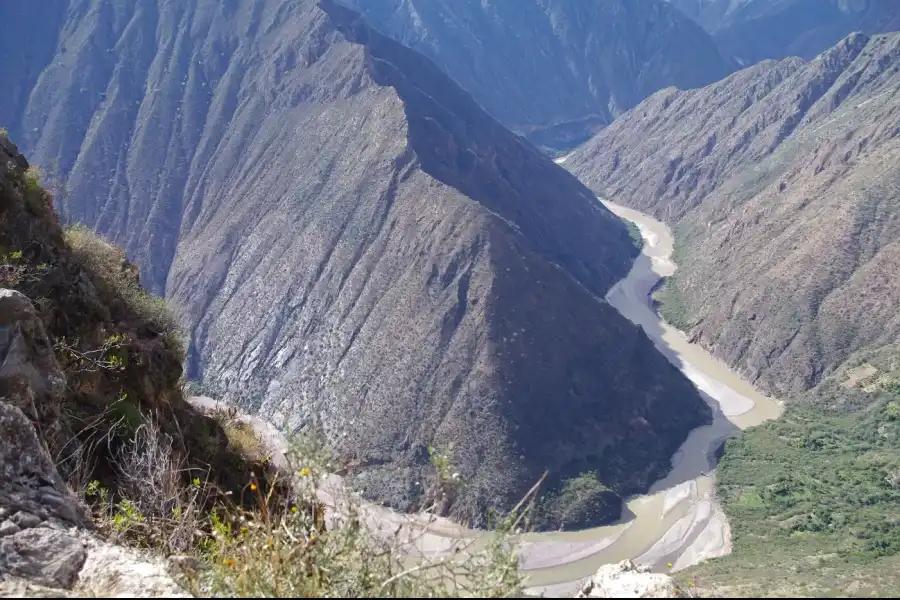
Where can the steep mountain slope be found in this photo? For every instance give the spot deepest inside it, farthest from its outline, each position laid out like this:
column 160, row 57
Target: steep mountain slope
column 119, row 359
column 555, row 71
column 357, row 247
column 784, row 185
column 754, row 30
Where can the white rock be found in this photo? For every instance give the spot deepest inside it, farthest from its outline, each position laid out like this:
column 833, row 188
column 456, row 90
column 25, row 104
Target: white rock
column 117, row 572
column 627, row 580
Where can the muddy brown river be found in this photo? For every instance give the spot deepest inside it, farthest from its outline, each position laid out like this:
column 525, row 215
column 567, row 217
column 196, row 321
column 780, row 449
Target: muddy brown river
column 678, row 521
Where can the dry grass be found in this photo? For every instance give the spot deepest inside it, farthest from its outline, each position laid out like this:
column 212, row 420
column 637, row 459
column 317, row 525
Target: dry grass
column 153, row 507
column 273, row 541
column 108, row 266
column 241, row 437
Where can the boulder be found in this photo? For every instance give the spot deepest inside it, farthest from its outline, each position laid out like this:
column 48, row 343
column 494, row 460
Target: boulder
column 43, row 556
column 628, row 580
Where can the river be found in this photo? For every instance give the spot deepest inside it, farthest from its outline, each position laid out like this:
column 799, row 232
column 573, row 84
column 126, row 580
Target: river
column 678, row 521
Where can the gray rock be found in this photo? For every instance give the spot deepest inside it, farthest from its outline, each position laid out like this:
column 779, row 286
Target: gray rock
column 555, row 70
column 30, row 485
column 23, row 459
column 62, row 507
column 27, row 353
column 754, row 30
column 16, row 587
column 113, row 571
column 9, row 153
column 8, row 528
column 43, row 556
column 25, row 520
column 771, row 175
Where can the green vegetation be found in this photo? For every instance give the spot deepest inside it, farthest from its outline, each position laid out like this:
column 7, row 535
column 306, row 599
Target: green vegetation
column 108, row 266
column 635, row 233
column 668, row 298
column 813, row 501
column 670, row 304
column 576, row 501
column 37, row 200
column 122, row 361
column 241, row 437
column 273, row 541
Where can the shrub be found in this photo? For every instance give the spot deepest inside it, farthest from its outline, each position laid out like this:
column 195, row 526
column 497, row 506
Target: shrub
column 108, row 267
column 36, row 198
column 284, row 544
column 284, row 549
column 634, row 233
column 577, row 502
column 152, row 506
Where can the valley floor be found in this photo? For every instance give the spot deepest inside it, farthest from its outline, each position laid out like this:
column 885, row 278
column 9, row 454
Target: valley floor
column 678, row 522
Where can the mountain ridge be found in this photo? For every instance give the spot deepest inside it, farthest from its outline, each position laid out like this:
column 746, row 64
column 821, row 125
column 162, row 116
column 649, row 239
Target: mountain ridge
column 358, row 248
column 755, row 30
column 743, row 192
column 593, row 62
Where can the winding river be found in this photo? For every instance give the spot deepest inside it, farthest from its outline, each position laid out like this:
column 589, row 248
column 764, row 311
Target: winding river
column 678, row 521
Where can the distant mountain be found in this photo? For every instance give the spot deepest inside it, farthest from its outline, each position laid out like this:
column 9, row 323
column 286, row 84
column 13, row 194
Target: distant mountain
column 555, row 71
column 754, row 30
column 356, row 245
column 783, row 183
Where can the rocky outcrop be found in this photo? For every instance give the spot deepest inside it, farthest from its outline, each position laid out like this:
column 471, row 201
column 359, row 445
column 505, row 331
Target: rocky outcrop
column 555, row 71
column 36, row 508
column 783, row 185
column 88, row 300
column 115, row 571
column 627, row 580
column 45, row 544
column 357, row 247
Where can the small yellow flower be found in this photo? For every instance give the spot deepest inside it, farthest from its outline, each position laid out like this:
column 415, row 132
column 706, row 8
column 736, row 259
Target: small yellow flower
column 312, row 538
column 304, row 471
column 253, row 487
column 228, row 562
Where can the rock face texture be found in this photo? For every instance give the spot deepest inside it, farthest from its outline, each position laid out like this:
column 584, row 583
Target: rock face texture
column 555, row 71
column 627, row 580
column 35, row 506
column 357, row 246
column 85, row 297
column 755, row 30
column 45, row 549
column 783, row 182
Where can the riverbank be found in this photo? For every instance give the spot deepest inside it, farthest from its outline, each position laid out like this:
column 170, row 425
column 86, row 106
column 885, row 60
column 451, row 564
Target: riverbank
column 677, row 522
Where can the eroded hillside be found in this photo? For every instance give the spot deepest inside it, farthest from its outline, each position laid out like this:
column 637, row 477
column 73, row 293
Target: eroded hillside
column 357, row 247
column 555, row 71
column 782, row 181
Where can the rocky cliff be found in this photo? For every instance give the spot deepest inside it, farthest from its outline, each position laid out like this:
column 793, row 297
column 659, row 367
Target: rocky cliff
column 47, row 545
column 555, row 71
column 120, row 352
column 357, row 246
column 755, row 30
column 81, row 367
column 782, row 181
